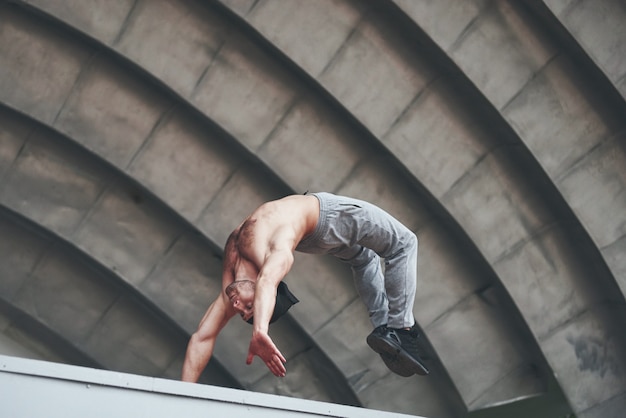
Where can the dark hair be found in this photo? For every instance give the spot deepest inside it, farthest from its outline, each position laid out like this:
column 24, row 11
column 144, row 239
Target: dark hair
column 234, row 286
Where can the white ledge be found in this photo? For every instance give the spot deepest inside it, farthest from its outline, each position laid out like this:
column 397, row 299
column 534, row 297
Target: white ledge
column 34, row 388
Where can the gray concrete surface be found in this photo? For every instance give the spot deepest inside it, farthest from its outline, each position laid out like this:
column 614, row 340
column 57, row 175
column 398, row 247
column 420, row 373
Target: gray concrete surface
column 135, row 136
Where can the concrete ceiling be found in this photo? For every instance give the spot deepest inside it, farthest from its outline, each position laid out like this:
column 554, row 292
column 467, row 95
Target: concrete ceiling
column 136, row 134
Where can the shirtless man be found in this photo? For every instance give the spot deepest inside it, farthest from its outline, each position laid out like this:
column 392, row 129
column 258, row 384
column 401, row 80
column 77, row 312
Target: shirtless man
column 259, row 254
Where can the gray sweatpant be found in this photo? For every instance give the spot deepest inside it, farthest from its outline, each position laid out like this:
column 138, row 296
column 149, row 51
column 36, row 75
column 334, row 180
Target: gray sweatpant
column 360, row 234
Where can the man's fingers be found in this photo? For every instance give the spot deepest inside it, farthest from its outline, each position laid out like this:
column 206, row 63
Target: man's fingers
column 280, row 366
column 281, row 371
column 250, row 358
column 279, row 355
column 276, row 366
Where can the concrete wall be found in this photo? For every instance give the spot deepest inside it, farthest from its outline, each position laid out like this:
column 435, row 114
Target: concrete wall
column 135, row 136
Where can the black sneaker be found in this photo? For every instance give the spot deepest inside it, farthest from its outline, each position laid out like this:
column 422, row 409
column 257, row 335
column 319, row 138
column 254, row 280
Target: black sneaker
column 399, row 349
column 392, row 361
column 411, row 344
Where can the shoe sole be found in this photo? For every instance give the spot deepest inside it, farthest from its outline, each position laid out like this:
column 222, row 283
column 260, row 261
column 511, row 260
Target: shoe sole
column 396, row 365
column 396, row 358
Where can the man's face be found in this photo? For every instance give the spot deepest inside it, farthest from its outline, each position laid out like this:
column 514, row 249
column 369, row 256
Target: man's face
column 243, row 301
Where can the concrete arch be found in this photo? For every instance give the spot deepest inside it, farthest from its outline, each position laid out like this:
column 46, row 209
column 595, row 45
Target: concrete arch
column 518, row 266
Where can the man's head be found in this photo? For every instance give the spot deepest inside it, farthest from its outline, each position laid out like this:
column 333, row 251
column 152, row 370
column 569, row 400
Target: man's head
column 241, row 295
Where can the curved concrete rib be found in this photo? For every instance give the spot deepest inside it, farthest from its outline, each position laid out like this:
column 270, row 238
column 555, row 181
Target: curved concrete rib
column 606, row 48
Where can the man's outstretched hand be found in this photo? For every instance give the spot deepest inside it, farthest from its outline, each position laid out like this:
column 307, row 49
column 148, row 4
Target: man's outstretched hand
column 262, row 345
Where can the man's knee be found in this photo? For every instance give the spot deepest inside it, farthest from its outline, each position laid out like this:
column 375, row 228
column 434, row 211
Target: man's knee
column 411, row 239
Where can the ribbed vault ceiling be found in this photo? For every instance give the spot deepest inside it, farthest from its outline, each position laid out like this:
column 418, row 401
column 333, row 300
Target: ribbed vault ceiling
column 136, row 134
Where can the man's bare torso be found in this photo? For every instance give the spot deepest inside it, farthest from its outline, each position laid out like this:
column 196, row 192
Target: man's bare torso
column 279, row 224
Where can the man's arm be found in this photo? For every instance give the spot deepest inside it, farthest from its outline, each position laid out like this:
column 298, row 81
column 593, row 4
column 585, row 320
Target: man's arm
column 202, row 342
column 275, row 268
